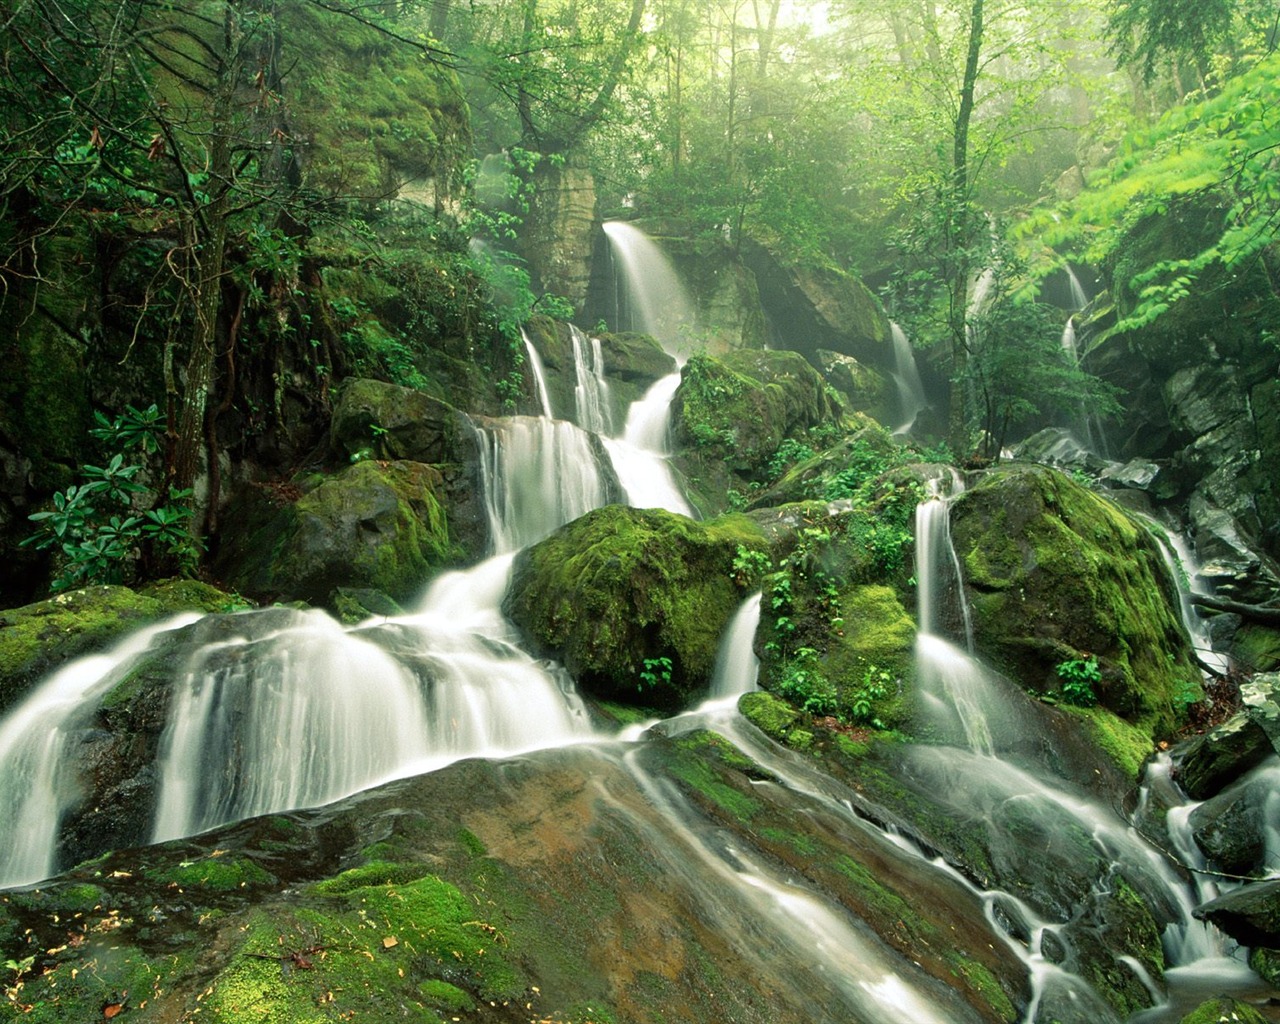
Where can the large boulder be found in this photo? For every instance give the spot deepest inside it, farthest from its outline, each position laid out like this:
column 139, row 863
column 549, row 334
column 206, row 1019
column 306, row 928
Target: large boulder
column 376, row 525
column 730, row 416
column 1056, row 574
column 1250, row 914
column 821, row 307
column 632, row 601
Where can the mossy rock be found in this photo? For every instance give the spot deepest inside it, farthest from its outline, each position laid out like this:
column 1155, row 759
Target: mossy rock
column 632, row 601
column 378, row 117
column 40, row 638
column 1056, row 573
column 740, row 408
column 372, row 418
column 1223, row 1010
column 372, row 525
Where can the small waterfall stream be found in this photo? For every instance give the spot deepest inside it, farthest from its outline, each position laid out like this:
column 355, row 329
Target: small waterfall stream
column 906, row 375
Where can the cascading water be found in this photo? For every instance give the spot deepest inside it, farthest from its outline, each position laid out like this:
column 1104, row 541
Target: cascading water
column 37, row 740
column 906, row 375
column 539, row 375
column 660, row 307
column 970, row 705
column 591, row 390
column 538, row 475
column 653, row 296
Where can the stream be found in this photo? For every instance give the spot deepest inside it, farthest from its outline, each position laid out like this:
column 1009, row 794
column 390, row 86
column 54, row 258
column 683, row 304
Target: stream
column 263, row 719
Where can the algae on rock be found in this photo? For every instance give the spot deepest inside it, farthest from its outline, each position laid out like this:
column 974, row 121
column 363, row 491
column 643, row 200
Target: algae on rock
column 632, row 601
column 1056, row 573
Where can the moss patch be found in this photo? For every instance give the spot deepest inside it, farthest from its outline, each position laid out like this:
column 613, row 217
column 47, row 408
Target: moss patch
column 1056, row 573
column 632, row 601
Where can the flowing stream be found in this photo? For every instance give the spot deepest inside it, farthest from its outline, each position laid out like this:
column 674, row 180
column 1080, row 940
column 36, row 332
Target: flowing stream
column 289, row 709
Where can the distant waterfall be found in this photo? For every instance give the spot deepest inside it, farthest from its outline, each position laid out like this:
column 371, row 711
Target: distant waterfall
column 654, row 298
column 906, row 375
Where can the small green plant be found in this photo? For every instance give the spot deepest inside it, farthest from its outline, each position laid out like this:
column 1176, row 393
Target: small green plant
column 1079, row 676
column 874, row 686
column 802, row 683
column 95, row 526
column 656, row 672
column 749, row 565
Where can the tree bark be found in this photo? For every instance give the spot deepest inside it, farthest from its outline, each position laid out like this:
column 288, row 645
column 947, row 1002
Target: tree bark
column 1266, row 615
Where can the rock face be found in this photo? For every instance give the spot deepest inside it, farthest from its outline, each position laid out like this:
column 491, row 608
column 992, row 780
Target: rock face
column 1250, row 914
column 1056, row 573
column 731, row 415
column 822, row 308
column 1202, row 386
column 376, row 525
column 633, row 602
column 561, row 230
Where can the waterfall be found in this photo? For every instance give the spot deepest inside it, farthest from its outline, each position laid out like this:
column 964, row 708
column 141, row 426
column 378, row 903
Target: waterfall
column 660, row 306
column 906, row 375
column 1079, row 298
column 38, row 739
column 938, row 574
column 736, row 662
column 591, row 391
column 538, row 475
column 1069, row 339
column 640, row 455
column 539, row 374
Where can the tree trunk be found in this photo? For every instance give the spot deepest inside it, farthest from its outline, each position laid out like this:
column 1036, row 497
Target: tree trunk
column 961, row 236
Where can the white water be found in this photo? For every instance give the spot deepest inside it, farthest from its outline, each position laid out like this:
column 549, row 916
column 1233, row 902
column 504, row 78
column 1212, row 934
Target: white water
column 538, row 475
column 38, row 738
column 1079, row 298
column 658, row 302
column 1069, row 339
column 591, row 390
column 539, row 375
column 640, row 456
column 906, row 375
column 736, row 663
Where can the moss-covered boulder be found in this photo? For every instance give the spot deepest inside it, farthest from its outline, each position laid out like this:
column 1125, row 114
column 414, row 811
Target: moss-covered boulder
column 1223, row 1010
column 731, row 416
column 1056, row 574
column 377, row 525
column 861, row 388
column 633, row 601
column 39, row 638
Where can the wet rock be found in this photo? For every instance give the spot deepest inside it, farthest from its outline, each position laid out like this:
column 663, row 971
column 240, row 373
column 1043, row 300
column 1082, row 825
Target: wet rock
column 1223, row 1010
column 356, row 604
column 1250, row 914
column 1230, row 562
column 1222, row 755
column 1056, row 573
column 632, row 601
column 376, row 525
column 1260, row 696
column 1230, row 829
column 1054, row 446
column 39, row 638
column 863, row 389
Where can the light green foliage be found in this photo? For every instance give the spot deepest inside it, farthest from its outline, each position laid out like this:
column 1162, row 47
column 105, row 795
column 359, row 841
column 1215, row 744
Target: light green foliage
column 1220, row 150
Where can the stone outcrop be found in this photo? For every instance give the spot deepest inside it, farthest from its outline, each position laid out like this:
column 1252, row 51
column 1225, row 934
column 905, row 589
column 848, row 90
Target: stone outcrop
column 633, row 602
column 1056, row 573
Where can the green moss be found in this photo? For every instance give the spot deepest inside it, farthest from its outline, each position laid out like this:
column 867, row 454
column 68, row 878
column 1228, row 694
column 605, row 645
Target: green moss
column 979, row 978
column 1057, row 573
column 445, row 996
column 38, row 638
column 1266, row 962
column 1223, row 1011
column 1126, row 745
column 772, row 715
column 618, row 590
column 223, row 873
column 376, row 872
